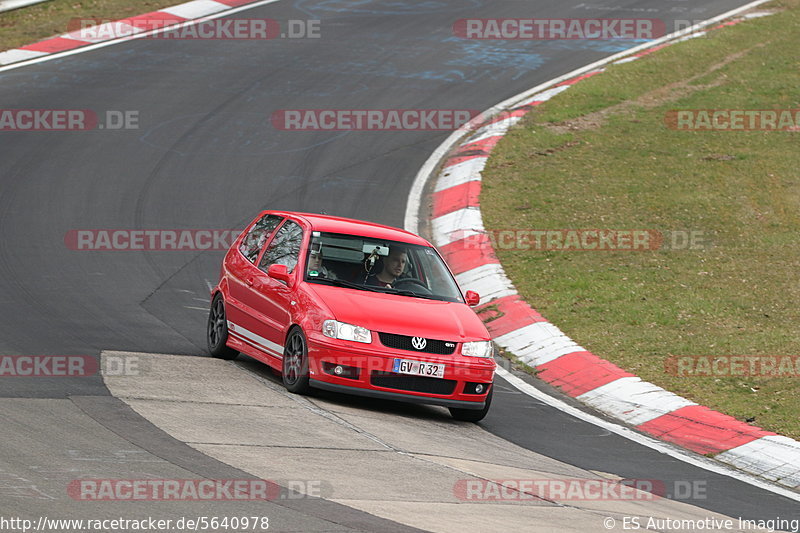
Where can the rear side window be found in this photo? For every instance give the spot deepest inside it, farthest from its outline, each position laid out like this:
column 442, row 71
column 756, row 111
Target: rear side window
column 284, row 248
column 258, row 235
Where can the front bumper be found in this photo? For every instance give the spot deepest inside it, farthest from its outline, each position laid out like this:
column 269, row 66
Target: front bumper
column 403, row 397
column 369, row 372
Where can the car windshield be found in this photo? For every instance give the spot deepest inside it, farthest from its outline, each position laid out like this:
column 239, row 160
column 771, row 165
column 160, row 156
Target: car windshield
column 379, row 265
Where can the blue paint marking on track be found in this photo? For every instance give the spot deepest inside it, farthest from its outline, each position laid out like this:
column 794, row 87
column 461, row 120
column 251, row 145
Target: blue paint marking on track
column 319, row 8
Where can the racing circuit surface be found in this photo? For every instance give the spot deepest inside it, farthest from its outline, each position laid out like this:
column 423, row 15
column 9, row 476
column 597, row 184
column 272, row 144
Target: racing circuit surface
column 205, row 156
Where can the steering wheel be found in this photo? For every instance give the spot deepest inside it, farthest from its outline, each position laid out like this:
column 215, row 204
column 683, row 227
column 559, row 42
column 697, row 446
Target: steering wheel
column 417, row 285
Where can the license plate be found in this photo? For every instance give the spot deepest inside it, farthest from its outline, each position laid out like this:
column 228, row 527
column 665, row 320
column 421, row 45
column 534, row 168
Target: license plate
column 418, row 368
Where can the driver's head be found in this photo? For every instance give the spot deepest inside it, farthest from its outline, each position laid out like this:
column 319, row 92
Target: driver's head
column 315, row 261
column 395, row 262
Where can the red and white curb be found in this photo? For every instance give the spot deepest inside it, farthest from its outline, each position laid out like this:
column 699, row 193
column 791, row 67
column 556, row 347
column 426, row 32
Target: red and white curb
column 157, row 20
column 458, row 231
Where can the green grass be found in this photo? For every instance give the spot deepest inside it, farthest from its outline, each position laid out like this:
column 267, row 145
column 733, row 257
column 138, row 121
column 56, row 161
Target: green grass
column 618, row 166
column 34, row 23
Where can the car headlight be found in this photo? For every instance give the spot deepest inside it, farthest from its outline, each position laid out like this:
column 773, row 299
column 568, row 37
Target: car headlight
column 348, row 332
column 477, row 349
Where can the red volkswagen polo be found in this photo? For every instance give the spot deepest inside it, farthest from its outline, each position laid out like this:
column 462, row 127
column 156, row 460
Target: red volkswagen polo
column 354, row 307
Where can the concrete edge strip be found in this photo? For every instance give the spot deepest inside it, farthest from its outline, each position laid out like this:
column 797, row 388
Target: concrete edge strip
column 168, row 18
column 457, row 228
column 117, row 416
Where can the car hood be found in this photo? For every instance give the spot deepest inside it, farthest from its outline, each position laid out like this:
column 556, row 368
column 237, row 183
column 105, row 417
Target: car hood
column 402, row 315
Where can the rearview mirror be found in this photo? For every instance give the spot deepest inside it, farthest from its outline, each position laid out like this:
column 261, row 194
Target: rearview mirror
column 279, row 272
column 473, row 298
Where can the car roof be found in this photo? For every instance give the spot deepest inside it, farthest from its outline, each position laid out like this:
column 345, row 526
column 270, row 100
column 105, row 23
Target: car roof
column 350, row 226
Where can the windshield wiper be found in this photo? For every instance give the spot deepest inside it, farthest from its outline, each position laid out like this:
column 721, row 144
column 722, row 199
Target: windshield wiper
column 348, row 284
column 383, row 290
column 406, row 292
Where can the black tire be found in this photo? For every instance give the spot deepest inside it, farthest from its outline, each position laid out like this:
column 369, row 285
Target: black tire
column 217, row 331
column 295, row 363
column 473, row 415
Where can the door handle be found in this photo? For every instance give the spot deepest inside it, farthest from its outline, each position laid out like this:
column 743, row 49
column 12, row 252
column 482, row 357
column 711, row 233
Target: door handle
column 249, row 281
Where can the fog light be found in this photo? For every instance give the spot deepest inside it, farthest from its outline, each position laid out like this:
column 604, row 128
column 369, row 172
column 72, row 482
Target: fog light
column 478, row 388
column 338, row 370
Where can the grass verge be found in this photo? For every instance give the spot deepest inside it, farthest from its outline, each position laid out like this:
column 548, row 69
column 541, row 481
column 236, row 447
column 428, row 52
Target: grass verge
column 34, row 23
column 601, row 156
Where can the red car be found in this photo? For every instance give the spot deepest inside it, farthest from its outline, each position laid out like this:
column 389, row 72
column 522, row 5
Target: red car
column 354, row 307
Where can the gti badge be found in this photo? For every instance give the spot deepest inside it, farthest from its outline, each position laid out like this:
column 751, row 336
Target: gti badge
column 419, row 343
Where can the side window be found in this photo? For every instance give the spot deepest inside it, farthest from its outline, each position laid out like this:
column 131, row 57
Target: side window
column 259, row 234
column 284, row 248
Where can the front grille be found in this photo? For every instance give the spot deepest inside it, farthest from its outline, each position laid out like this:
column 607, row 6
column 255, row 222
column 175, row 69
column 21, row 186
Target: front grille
column 403, row 342
column 390, row 380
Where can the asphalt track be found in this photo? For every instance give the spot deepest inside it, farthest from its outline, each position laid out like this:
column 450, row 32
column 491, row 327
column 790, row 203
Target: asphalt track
column 206, row 156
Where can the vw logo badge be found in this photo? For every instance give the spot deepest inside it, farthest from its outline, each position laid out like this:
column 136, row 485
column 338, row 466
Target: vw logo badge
column 418, row 342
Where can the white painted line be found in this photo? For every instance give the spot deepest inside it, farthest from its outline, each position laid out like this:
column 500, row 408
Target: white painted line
column 692, row 36
column 461, row 173
column 757, row 15
column 545, row 95
column 775, row 457
column 8, row 5
column 495, row 129
column 487, row 280
column 102, row 32
column 457, row 225
column 195, row 9
column 633, row 401
column 142, row 35
column 12, row 56
column 488, row 132
column 644, row 440
column 539, row 343
column 411, row 222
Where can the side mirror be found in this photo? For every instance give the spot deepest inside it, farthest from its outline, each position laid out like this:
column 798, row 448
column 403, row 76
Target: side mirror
column 473, row 298
column 279, row 272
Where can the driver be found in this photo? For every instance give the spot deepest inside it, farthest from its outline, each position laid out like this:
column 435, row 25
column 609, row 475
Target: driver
column 315, row 267
column 394, row 265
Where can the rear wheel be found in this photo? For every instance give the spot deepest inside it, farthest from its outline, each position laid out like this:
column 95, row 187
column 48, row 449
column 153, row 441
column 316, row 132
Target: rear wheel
column 473, row 415
column 295, row 363
column 217, row 331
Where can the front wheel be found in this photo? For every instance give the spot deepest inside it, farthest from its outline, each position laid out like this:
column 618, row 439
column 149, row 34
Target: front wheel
column 473, row 415
column 295, row 363
column 217, row 331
